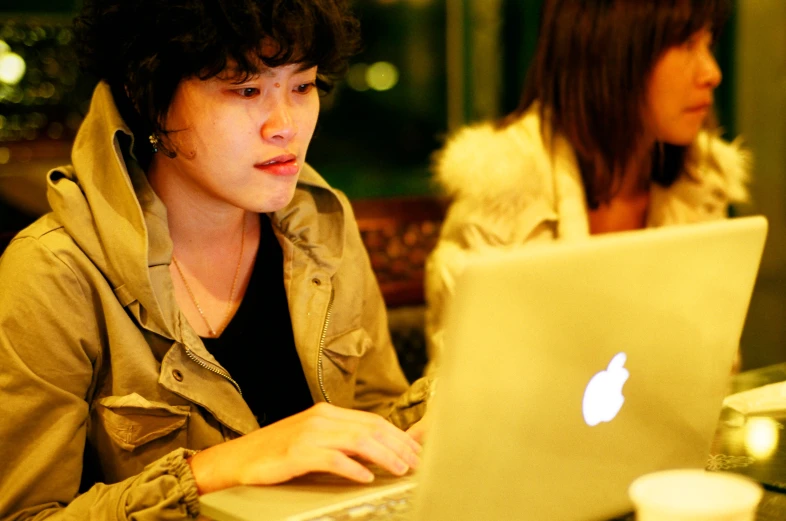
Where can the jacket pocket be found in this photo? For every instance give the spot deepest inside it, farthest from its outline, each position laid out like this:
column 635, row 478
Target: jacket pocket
column 131, row 420
column 346, row 349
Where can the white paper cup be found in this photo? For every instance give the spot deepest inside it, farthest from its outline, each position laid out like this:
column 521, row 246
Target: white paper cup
column 694, row 495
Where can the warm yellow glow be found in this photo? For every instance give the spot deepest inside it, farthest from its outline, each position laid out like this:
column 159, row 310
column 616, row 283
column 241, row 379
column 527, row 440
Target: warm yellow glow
column 5, row 155
column 382, row 76
column 761, row 437
column 356, row 77
column 12, row 68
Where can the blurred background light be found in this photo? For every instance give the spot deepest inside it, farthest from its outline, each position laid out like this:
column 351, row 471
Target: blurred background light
column 382, row 76
column 12, row 66
column 761, row 436
column 356, row 77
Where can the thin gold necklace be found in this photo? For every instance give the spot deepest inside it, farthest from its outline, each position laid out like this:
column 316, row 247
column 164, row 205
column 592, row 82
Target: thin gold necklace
column 214, row 333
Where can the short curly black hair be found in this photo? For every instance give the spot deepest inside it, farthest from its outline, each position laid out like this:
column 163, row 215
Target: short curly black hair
column 144, row 48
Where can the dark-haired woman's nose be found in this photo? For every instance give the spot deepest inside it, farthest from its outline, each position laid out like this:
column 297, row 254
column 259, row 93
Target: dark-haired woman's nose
column 280, row 126
column 709, row 73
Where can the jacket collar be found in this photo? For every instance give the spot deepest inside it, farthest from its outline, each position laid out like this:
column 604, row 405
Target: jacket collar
column 315, row 221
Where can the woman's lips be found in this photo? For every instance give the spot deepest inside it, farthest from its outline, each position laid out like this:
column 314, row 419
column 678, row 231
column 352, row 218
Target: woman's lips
column 287, row 167
column 700, row 108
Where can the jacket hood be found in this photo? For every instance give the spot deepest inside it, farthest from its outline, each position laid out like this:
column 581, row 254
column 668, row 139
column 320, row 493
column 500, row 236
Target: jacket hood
column 95, row 200
column 504, row 166
column 107, row 206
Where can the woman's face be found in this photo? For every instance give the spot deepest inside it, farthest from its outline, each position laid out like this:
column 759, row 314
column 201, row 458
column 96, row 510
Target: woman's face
column 242, row 143
column 679, row 91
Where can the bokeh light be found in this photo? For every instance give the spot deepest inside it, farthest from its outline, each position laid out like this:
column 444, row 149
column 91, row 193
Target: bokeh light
column 356, row 77
column 761, row 436
column 12, row 66
column 382, row 76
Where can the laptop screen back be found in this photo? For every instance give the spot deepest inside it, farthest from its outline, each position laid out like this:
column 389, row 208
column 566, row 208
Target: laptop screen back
column 653, row 318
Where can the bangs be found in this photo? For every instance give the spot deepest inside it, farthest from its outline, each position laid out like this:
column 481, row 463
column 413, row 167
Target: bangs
column 292, row 32
column 683, row 18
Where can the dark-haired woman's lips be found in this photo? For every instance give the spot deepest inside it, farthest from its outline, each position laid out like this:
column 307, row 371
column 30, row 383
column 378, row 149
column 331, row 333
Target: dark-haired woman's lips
column 284, row 165
column 700, row 108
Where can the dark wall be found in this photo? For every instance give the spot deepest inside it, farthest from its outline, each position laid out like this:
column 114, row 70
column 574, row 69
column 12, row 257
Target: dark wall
column 39, row 6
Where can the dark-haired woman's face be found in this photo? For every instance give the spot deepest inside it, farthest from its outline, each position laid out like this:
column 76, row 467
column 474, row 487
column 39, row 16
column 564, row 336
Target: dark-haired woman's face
column 242, row 144
column 680, row 89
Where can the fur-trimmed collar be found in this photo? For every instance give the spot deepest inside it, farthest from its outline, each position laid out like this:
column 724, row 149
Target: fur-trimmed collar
column 508, row 168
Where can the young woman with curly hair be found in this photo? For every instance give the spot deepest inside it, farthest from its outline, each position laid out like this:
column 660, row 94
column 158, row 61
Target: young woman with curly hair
column 198, row 310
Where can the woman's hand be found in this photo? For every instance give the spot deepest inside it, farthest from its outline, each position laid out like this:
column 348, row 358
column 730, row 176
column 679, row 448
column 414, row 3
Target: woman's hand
column 320, row 439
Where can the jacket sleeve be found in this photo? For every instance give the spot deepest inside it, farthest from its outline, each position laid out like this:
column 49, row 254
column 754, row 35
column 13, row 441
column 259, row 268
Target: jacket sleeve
column 49, row 346
column 381, row 385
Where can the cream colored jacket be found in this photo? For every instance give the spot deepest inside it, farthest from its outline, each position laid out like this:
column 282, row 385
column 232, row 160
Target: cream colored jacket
column 101, row 376
column 509, row 188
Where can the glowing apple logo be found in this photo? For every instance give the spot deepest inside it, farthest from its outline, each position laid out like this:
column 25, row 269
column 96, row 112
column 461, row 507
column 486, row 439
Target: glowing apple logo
column 603, row 396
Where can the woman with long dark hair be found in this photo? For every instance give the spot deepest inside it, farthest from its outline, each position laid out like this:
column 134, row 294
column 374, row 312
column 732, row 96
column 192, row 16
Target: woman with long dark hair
column 614, row 132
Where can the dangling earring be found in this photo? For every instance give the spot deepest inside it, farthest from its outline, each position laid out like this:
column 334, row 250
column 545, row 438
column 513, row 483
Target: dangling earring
column 155, row 142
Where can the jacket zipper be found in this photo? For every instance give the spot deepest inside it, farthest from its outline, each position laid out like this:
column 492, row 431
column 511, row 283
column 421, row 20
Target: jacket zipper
column 211, row 368
column 322, row 347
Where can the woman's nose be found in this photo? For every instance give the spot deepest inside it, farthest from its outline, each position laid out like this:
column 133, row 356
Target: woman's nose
column 710, row 73
column 280, row 125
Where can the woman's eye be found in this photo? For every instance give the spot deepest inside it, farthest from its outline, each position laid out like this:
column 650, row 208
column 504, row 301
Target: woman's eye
column 248, row 92
column 305, row 88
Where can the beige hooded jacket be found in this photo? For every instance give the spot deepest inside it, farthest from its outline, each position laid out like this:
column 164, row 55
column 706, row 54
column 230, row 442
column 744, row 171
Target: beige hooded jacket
column 510, row 188
column 102, row 378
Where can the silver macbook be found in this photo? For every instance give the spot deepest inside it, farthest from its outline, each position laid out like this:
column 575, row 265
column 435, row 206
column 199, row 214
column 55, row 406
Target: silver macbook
column 569, row 370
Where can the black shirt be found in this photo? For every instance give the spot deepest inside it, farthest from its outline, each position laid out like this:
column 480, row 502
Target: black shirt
column 257, row 348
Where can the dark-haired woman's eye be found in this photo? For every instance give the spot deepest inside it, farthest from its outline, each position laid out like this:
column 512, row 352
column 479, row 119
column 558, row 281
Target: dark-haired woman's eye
column 305, row 88
column 248, row 92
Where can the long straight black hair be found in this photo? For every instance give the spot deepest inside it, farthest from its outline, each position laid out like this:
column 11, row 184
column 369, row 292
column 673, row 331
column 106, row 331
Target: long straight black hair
column 590, row 72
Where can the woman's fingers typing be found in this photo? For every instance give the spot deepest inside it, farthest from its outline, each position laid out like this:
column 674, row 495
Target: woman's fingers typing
column 387, row 434
column 325, row 438
column 365, row 435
